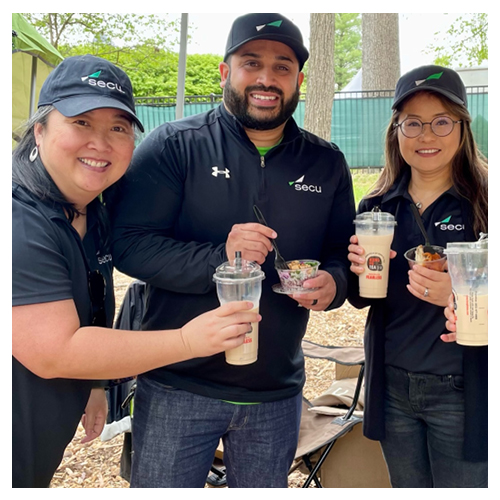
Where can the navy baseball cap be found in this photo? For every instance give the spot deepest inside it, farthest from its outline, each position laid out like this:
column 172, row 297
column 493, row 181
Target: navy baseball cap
column 266, row 27
column 83, row 83
column 444, row 81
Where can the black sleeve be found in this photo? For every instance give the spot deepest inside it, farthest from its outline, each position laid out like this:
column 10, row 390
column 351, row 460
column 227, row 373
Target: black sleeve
column 340, row 228
column 40, row 271
column 146, row 204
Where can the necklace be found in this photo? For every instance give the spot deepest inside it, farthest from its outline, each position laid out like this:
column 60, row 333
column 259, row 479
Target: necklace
column 424, row 201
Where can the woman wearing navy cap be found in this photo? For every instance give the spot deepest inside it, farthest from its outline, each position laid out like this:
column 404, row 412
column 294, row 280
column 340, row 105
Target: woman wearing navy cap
column 426, row 396
column 78, row 143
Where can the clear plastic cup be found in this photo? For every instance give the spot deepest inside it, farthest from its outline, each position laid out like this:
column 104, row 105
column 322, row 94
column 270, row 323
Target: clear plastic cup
column 375, row 231
column 468, row 268
column 241, row 280
column 436, row 265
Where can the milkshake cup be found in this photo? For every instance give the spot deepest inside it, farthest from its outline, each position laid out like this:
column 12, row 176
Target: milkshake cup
column 241, row 280
column 468, row 268
column 375, row 231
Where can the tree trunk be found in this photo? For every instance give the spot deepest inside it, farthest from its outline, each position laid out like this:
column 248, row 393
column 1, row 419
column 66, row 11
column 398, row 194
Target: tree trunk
column 320, row 76
column 381, row 60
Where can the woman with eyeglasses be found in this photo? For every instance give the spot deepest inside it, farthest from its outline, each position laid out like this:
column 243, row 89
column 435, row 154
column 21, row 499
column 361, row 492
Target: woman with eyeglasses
column 426, row 396
column 78, row 143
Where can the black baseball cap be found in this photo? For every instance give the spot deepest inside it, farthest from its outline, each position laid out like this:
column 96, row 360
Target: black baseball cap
column 83, row 83
column 266, row 27
column 444, row 81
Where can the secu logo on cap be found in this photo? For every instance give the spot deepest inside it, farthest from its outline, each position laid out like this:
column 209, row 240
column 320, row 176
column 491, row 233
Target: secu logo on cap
column 92, row 80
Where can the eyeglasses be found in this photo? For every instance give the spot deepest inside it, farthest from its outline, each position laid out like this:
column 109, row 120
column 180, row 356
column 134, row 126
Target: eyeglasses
column 413, row 127
column 97, row 292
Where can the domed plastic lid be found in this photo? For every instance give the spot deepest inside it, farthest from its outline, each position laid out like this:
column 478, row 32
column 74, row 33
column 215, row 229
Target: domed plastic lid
column 239, row 270
column 375, row 216
column 480, row 246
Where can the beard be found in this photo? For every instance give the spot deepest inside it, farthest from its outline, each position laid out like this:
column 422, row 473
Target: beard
column 238, row 105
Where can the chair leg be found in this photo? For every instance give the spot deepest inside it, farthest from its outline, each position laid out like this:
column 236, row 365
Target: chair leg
column 314, row 471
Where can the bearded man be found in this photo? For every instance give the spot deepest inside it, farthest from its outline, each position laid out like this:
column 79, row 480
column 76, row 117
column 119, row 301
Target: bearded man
column 185, row 207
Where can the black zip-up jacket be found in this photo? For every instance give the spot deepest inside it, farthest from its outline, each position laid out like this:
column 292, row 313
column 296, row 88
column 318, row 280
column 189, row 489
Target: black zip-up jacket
column 190, row 181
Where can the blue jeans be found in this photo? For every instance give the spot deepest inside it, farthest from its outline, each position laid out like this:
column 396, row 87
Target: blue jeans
column 175, row 434
column 423, row 447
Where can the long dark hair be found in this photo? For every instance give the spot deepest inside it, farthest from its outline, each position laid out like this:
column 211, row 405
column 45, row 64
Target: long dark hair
column 469, row 169
column 33, row 177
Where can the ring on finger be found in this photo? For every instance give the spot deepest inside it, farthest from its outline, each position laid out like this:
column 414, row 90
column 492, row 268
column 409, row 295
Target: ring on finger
column 426, row 292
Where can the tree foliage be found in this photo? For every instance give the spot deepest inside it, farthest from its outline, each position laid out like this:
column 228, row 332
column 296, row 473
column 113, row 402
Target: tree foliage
column 105, row 32
column 467, row 42
column 347, row 48
column 144, row 46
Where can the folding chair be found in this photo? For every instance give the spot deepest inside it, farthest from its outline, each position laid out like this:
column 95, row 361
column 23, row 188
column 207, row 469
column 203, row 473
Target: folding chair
column 332, row 415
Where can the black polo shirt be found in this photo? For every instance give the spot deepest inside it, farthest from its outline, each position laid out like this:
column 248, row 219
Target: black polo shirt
column 413, row 326
column 50, row 262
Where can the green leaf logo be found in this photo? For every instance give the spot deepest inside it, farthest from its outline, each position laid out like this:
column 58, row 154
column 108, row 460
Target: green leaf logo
column 435, row 76
column 444, row 221
column 301, row 179
column 93, row 75
column 277, row 24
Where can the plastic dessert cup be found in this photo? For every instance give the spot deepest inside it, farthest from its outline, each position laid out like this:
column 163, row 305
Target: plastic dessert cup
column 292, row 280
column 436, row 265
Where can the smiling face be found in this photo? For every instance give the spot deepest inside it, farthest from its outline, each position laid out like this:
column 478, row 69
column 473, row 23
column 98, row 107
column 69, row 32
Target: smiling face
column 261, row 84
column 87, row 153
column 428, row 153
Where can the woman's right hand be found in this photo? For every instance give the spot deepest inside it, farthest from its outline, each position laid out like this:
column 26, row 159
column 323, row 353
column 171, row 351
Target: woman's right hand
column 219, row 330
column 451, row 321
column 356, row 253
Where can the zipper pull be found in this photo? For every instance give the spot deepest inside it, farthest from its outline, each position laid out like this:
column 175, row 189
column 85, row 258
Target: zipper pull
column 262, row 162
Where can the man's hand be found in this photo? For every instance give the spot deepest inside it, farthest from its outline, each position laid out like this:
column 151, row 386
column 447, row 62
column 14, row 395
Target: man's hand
column 319, row 299
column 252, row 240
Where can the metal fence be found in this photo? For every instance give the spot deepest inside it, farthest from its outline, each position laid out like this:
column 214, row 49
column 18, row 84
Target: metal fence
column 359, row 119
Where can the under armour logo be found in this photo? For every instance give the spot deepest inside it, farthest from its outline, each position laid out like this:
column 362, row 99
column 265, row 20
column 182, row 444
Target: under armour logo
column 216, row 172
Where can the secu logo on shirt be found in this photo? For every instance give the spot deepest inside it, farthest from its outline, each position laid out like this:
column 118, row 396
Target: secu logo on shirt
column 299, row 185
column 444, row 225
column 105, row 258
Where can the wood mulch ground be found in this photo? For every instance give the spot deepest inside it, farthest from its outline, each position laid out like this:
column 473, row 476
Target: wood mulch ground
column 97, row 464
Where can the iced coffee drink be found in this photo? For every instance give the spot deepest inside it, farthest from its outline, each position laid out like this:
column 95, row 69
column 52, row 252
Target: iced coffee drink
column 241, row 280
column 468, row 268
column 472, row 318
column 375, row 231
column 247, row 352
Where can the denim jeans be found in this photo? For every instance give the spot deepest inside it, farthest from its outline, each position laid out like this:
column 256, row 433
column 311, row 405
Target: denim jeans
column 423, row 447
column 175, row 434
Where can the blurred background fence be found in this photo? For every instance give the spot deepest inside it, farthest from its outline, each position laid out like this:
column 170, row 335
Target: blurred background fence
column 359, row 119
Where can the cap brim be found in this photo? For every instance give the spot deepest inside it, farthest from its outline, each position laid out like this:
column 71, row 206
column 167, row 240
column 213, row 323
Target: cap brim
column 428, row 88
column 300, row 51
column 74, row 106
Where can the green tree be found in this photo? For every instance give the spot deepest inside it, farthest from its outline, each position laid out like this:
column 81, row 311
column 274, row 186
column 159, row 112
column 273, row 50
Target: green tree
column 348, row 53
column 202, row 74
column 467, row 42
column 105, row 33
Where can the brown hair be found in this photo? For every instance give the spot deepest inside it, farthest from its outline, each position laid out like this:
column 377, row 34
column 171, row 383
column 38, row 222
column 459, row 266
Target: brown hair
column 469, row 166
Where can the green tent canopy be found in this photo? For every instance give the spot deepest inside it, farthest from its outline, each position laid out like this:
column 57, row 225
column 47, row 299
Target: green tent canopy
column 33, row 58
